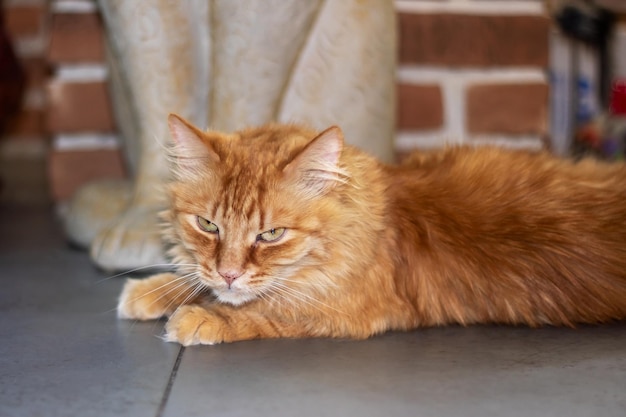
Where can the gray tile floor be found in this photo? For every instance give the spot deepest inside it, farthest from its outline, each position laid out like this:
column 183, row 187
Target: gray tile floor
column 63, row 353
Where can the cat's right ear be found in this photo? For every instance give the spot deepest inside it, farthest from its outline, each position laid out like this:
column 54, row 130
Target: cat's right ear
column 316, row 168
column 191, row 150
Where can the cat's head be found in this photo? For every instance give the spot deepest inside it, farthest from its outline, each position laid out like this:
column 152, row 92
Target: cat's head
column 250, row 209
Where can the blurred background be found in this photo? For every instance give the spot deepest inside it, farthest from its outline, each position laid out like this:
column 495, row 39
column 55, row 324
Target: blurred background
column 528, row 74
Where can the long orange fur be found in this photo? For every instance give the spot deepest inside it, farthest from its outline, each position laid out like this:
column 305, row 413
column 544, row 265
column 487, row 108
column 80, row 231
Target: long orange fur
column 463, row 235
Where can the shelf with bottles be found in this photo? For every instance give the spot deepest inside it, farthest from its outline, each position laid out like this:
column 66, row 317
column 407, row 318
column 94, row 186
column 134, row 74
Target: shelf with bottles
column 604, row 135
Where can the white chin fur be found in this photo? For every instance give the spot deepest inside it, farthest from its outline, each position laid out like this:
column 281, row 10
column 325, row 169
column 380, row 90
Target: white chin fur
column 234, row 298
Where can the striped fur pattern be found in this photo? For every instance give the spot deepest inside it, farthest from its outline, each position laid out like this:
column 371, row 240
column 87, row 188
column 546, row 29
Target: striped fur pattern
column 279, row 231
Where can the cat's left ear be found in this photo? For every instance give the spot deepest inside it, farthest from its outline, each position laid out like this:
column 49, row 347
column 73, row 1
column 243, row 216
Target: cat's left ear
column 315, row 169
column 191, row 149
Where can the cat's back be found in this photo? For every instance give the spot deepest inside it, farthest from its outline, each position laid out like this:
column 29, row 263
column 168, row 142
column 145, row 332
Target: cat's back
column 486, row 192
column 503, row 171
column 511, row 236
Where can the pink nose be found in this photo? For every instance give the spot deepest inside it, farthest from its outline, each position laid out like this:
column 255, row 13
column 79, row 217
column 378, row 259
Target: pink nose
column 230, row 275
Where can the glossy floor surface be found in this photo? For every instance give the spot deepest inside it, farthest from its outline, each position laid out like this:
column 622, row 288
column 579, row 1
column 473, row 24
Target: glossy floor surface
column 64, row 353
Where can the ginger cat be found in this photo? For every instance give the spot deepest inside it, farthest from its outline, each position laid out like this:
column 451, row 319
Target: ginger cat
column 278, row 231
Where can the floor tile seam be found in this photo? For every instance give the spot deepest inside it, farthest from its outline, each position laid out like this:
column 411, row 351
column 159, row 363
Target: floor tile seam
column 170, row 383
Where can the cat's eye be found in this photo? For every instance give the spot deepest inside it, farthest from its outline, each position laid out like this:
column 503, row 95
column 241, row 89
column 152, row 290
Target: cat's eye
column 206, row 225
column 272, row 235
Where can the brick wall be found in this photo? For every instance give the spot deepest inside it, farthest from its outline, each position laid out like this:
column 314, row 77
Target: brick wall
column 24, row 145
column 79, row 116
column 64, row 135
column 472, row 71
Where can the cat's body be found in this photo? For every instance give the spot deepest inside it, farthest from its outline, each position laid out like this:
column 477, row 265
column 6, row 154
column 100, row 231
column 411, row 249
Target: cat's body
column 298, row 236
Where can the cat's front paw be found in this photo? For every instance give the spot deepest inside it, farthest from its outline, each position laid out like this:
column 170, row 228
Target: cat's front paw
column 144, row 299
column 193, row 325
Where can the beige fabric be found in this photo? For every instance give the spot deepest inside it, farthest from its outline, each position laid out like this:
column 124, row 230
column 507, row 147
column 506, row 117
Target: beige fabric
column 226, row 64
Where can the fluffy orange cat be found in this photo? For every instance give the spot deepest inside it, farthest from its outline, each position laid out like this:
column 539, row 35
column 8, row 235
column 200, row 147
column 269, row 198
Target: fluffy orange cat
column 281, row 232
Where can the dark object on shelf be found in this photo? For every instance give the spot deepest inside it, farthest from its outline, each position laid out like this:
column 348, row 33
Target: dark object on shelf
column 591, row 25
column 605, row 136
column 12, row 79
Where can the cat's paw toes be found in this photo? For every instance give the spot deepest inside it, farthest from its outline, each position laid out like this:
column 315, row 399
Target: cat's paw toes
column 138, row 301
column 193, row 325
column 132, row 241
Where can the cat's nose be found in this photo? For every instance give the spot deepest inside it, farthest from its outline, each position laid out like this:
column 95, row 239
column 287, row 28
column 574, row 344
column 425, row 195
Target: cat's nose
column 230, row 275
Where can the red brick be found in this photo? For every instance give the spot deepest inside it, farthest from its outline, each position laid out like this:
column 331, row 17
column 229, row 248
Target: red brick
column 419, row 107
column 76, row 107
column 36, row 71
column 473, row 40
column 23, row 20
column 507, row 108
column 26, row 123
column 69, row 170
column 76, row 37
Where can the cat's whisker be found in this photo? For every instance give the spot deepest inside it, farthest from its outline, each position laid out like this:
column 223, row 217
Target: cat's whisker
column 198, row 287
column 277, row 296
column 170, row 265
column 282, row 284
column 262, row 294
column 294, row 291
column 285, row 295
column 181, row 288
column 180, row 280
column 271, row 297
column 301, row 296
column 309, row 283
column 189, row 293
